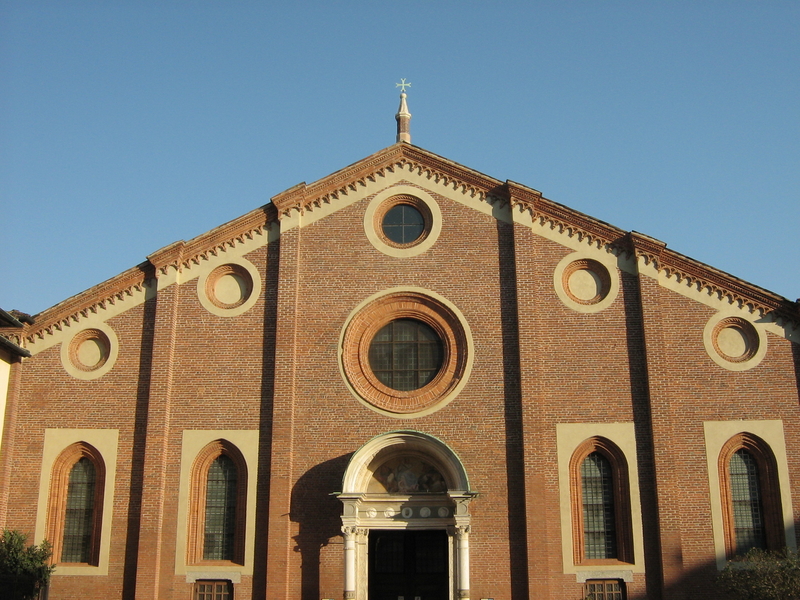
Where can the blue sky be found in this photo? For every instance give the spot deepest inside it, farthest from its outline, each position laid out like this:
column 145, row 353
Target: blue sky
column 125, row 126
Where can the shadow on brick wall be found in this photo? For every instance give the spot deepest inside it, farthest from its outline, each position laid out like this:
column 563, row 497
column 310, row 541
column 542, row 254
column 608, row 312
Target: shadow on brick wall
column 139, row 443
column 515, row 452
column 266, row 410
column 318, row 515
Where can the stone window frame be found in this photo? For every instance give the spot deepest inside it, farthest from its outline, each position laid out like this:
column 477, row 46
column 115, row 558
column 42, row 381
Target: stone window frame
column 622, row 501
column 755, row 333
column 57, row 503
column 406, row 303
column 197, row 503
column 386, row 199
column 769, row 489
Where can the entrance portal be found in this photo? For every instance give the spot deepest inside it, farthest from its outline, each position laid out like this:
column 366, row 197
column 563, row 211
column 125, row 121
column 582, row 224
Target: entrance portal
column 406, row 520
column 408, row 565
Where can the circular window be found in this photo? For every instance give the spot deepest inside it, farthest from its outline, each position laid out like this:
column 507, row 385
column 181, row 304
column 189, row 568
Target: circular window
column 735, row 339
column 402, row 221
column 89, row 350
column 586, row 281
column 405, row 353
column 403, row 224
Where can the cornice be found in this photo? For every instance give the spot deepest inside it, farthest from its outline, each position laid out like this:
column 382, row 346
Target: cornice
column 175, row 257
column 180, row 255
column 91, row 301
column 559, row 217
column 702, row 277
column 302, row 198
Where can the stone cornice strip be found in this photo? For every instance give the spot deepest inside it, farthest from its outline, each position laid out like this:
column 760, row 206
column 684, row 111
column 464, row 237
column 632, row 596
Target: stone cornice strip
column 174, row 256
column 302, row 197
column 561, row 217
column 90, row 301
column 703, row 277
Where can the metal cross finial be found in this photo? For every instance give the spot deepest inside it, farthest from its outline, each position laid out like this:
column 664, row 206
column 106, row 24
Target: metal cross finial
column 402, row 85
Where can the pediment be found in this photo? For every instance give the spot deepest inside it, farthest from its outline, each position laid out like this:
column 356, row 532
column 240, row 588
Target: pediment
column 505, row 200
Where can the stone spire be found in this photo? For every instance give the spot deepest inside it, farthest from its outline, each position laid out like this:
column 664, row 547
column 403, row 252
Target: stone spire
column 403, row 116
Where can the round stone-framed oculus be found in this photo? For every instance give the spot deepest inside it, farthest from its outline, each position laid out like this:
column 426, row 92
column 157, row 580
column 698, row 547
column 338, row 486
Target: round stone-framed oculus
column 402, row 221
column 735, row 339
column 229, row 286
column 734, row 342
column 428, row 390
column 91, row 352
column 586, row 281
column 229, row 289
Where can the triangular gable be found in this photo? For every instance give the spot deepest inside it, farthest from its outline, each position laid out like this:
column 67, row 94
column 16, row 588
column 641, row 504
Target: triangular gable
column 505, row 200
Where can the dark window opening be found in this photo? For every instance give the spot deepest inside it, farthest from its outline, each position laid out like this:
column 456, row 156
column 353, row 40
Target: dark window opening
column 403, row 224
column 213, row 590
column 79, row 521
column 599, row 528
column 748, row 512
column 604, row 589
column 406, row 355
column 220, row 523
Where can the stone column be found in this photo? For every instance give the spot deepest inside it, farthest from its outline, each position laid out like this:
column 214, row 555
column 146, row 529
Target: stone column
column 462, row 580
column 349, row 562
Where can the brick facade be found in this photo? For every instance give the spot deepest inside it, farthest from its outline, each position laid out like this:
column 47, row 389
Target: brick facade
column 631, row 361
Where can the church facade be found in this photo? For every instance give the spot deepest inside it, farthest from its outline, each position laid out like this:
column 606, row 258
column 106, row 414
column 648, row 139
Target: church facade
column 405, row 380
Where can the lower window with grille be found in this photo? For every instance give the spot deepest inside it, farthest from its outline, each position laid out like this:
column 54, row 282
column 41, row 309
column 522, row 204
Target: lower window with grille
column 604, row 589
column 213, row 590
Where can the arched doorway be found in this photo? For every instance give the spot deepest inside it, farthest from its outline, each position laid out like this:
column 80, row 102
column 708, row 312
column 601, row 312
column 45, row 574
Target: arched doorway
column 406, row 520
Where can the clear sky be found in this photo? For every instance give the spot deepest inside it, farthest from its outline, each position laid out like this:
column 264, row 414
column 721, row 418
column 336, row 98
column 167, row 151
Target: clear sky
column 125, row 126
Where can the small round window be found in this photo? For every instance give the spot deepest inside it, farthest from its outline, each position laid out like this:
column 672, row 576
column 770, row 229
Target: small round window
column 403, row 224
column 403, row 221
column 406, row 354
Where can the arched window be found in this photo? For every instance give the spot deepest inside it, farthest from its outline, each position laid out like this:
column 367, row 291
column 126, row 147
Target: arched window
column 601, row 515
column 217, row 510
column 751, row 502
column 76, row 505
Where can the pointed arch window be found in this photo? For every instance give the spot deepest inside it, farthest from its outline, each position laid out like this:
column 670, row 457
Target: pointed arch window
column 601, row 515
column 76, row 505
column 217, row 511
column 751, row 502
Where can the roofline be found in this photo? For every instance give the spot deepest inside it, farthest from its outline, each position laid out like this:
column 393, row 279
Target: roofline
column 303, row 197
column 13, row 348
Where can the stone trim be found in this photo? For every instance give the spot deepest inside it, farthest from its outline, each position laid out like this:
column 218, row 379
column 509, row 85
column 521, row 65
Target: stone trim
column 197, row 501
column 769, row 488
column 369, row 318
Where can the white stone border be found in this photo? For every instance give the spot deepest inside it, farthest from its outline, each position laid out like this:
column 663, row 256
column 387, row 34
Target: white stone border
column 569, row 436
column 744, row 365
column 716, row 434
column 113, row 352
column 193, row 441
column 255, row 293
column 375, row 238
column 608, row 261
column 55, row 442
